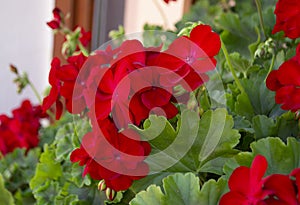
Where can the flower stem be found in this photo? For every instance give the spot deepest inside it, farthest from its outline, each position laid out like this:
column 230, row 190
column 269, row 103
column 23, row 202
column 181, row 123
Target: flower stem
column 261, row 20
column 83, row 49
column 37, row 95
column 162, row 13
column 39, row 98
column 271, row 66
column 238, row 83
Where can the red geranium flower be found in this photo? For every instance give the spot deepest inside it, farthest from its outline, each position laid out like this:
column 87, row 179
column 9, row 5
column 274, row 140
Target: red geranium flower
column 68, row 76
column 63, row 79
column 190, row 57
column 20, row 130
column 85, row 37
column 54, row 94
column 108, row 156
column 282, row 190
column 287, row 18
column 57, row 18
column 246, row 184
column 286, row 83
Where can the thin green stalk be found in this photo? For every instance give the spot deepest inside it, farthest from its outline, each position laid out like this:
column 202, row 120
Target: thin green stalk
column 271, row 66
column 261, row 20
column 83, row 49
column 37, row 95
column 51, row 115
column 162, row 13
column 237, row 80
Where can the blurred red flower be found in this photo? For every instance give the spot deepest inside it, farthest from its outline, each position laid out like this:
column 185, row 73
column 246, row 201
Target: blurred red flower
column 22, row 129
column 287, row 18
column 286, row 83
column 57, row 18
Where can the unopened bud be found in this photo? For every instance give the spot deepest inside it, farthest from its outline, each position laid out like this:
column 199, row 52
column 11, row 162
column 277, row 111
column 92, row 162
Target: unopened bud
column 110, row 194
column 13, row 69
column 101, row 185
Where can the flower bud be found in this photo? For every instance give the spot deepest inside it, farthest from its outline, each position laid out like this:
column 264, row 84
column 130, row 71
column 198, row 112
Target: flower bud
column 266, row 49
column 13, row 69
column 101, row 185
column 110, row 194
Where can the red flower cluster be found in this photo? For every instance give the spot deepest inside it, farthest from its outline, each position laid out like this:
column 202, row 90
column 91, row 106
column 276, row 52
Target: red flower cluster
column 286, row 82
column 62, row 78
column 57, row 19
column 137, row 80
column 287, row 18
column 247, row 186
column 112, row 156
column 20, row 130
column 122, row 86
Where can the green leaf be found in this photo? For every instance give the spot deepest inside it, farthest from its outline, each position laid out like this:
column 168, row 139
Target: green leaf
column 195, row 145
column 236, row 30
column 215, row 141
column 282, row 158
column 48, row 168
column 181, row 189
column 178, row 189
column 243, row 106
column 239, row 63
column 263, row 126
column 284, row 126
column 6, row 197
column 212, row 191
column 153, row 195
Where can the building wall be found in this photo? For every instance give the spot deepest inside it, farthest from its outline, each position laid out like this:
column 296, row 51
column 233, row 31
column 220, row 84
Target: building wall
column 26, row 42
column 139, row 12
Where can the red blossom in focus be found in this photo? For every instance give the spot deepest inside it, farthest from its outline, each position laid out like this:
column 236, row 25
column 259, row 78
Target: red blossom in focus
column 122, row 86
column 248, row 187
column 108, row 156
column 20, row 130
column 57, row 18
column 287, row 18
column 286, row 83
column 246, row 184
column 63, row 79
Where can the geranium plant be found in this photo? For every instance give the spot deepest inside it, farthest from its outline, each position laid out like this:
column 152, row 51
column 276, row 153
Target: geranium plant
column 205, row 114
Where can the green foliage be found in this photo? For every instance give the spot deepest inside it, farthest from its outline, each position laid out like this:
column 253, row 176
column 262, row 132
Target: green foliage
column 282, row 158
column 17, row 169
column 181, row 189
column 57, row 180
column 5, row 196
column 209, row 143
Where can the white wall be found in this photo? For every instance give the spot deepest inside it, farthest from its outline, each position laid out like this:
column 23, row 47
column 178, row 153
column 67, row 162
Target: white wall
column 139, row 12
column 25, row 41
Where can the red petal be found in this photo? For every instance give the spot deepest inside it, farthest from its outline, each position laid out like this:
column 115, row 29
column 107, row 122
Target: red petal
column 282, row 187
column 233, row 198
column 258, row 170
column 206, row 39
column 120, row 183
column 272, row 81
column 240, row 174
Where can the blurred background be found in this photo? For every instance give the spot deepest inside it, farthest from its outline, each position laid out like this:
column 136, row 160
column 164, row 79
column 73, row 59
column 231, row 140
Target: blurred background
column 29, row 44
